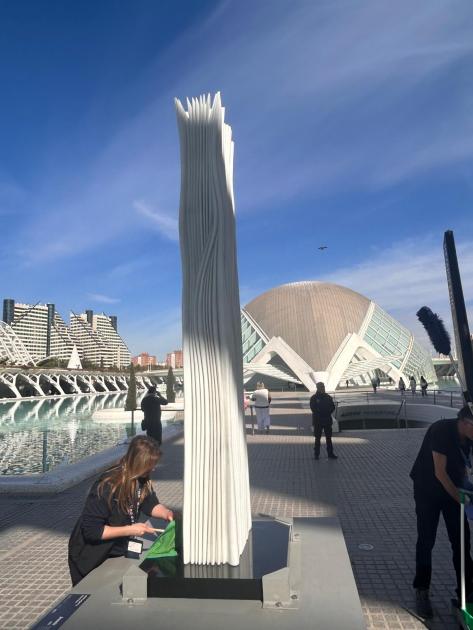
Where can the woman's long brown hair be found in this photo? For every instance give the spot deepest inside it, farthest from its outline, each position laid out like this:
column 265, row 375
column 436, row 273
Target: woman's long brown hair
column 142, row 455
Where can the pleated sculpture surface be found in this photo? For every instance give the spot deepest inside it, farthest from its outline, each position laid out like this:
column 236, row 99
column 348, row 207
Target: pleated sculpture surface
column 217, row 511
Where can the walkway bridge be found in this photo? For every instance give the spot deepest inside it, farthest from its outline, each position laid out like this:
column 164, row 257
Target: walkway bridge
column 17, row 383
column 17, row 412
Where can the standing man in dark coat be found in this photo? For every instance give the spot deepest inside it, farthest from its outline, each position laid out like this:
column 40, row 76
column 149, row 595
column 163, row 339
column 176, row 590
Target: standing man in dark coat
column 151, row 407
column 439, row 470
column 322, row 407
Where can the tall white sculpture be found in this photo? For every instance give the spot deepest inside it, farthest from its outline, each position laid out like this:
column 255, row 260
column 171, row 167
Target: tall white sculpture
column 217, row 511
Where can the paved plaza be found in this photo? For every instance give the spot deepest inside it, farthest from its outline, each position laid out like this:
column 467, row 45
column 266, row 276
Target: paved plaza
column 368, row 488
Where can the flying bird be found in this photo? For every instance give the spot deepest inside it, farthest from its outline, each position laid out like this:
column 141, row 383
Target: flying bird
column 323, row 247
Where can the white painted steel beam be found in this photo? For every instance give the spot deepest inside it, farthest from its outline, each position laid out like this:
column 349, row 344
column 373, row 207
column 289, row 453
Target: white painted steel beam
column 12, row 348
column 276, row 346
column 10, row 381
column 217, row 512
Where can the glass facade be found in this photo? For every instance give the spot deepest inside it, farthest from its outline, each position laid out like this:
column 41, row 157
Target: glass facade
column 419, row 364
column 8, row 310
column 388, row 337
column 251, row 339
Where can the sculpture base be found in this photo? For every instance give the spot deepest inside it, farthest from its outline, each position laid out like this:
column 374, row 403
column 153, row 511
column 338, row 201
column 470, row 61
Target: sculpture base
column 327, row 598
column 265, row 552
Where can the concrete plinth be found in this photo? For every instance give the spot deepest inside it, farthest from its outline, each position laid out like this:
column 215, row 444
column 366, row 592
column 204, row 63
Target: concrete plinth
column 328, row 598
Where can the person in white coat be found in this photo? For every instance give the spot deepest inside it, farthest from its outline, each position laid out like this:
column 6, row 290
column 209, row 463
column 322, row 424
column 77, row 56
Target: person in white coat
column 262, row 400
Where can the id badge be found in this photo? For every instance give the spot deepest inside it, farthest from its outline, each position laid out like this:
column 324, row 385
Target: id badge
column 134, row 548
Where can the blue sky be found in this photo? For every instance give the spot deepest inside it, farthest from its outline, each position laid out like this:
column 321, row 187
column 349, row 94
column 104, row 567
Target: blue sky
column 353, row 128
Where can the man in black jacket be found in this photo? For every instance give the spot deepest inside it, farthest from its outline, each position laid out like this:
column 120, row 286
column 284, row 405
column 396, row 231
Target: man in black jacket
column 322, row 407
column 439, row 470
column 151, row 407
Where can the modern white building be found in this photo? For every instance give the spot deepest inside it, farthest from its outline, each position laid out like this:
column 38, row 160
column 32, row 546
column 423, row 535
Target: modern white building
column 98, row 341
column 32, row 332
column 317, row 331
column 40, row 328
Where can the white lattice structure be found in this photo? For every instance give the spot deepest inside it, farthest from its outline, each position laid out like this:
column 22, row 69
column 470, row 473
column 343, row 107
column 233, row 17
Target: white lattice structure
column 42, row 382
column 12, row 349
column 217, row 513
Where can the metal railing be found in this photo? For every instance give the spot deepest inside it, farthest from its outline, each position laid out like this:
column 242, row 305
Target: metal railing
column 398, row 415
column 364, row 423
column 447, row 398
column 251, row 408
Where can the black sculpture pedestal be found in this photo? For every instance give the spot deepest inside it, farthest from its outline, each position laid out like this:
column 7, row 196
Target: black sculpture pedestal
column 265, row 552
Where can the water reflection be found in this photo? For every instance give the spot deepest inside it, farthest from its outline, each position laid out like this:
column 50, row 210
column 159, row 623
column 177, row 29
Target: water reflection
column 39, row 435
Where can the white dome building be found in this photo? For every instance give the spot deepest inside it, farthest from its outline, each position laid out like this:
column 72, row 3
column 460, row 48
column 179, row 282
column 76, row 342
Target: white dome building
column 317, row 331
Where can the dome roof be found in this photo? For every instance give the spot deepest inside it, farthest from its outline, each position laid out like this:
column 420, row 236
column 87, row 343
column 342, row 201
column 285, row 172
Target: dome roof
column 312, row 317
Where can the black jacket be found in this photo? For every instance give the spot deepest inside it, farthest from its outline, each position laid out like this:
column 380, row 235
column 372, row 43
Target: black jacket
column 86, row 548
column 441, row 437
column 151, row 407
column 322, row 407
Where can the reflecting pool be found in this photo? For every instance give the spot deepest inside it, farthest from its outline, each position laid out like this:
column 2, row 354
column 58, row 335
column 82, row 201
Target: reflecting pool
column 40, row 435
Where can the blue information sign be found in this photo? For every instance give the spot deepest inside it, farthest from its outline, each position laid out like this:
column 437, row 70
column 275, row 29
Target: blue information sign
column 61, row 613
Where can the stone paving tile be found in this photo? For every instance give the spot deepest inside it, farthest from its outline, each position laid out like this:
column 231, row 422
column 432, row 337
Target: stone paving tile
column 368, row 488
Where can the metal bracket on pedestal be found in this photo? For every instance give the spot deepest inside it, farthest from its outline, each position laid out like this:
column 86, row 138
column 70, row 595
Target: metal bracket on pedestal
column 134, row 586
column 281, row 589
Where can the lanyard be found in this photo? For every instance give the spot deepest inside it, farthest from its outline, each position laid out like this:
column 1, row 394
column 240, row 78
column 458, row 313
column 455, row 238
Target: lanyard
column 131, row 510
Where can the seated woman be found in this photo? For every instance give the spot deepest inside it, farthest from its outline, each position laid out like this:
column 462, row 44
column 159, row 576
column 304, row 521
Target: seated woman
column 112, row 508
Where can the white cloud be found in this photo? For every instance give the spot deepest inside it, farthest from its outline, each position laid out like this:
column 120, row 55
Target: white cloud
column 408, row 275
column 323, row 97
column 104, row 299
column 165, row 225
column 129, row 267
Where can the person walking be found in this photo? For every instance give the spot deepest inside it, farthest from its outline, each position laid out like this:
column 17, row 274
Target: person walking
column 262, row 399
column 151, row 407
column 322, row 407
column 109, row 521
column 402, row 387
column 413, row 385
column 374, row 384
column 423, row 386
column 439, row 470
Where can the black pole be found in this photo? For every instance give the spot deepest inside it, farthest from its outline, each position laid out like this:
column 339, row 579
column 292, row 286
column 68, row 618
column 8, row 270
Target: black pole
column 459, row 318
column 45, row 451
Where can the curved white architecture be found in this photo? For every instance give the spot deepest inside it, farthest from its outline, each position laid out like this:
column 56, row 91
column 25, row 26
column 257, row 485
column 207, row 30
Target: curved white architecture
column 217, row 511
column 322, row 331
column 41, row 382
column 12, row 349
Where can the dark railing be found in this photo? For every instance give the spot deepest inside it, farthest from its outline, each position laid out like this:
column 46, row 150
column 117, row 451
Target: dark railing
column 363, row 422
column 401, row 407
column 448, row 398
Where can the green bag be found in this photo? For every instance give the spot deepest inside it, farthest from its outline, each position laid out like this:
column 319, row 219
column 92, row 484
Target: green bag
column 165, row 545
